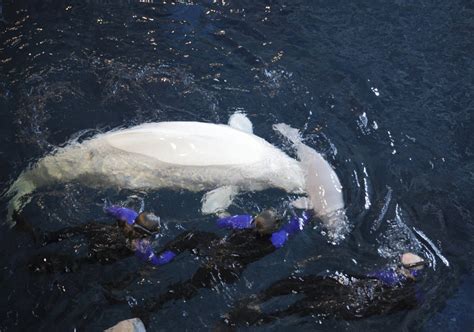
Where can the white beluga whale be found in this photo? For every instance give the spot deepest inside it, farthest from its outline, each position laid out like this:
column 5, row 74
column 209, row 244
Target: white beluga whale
column 220, row 159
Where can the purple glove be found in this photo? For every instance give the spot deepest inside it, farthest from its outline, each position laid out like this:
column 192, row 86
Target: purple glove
column 122, row 214
column 295, row 225
column 236, row 222
column 415, row 273
column 388, row 276
column 279, row 238
column 391, row 277
column 145, row 252
column 164, row 258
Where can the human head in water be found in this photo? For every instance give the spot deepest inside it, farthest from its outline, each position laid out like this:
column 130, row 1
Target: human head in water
column 411, row 265
column 146, row 223
column 266, row 222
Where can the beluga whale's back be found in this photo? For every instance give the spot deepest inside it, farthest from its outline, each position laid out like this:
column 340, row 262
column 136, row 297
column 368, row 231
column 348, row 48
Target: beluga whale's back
column 196, row 156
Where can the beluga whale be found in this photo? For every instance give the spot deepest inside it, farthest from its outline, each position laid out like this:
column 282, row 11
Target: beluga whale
column 220, row 159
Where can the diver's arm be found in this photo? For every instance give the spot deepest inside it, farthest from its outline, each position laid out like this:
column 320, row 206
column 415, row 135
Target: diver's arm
column 392, row 276
column 123, row 214
column 184, row 242
column 45, row 238
column 145, row 252
column 190, row 240
column 65, row 233
column 241, row 221
column 87, row 230
column 410, row 268
column 295, row 225
column 245, row 312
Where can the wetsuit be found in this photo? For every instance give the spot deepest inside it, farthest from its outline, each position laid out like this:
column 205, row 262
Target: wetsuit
column 224, row 258
column 328, row 296
column 107, row 243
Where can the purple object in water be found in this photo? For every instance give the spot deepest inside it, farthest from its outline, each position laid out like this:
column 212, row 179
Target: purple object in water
column 145, row 252
column 163, row 259
column 279, row 238
column 295, row 225
column 388, row 276
column 121, row 213
column 241, row 221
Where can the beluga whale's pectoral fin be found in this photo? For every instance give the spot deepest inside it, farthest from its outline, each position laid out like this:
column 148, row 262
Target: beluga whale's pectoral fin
column 218, row 200
column 239, row 121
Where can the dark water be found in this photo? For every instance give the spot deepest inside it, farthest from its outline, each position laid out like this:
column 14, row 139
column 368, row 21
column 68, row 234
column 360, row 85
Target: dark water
column 384, row 90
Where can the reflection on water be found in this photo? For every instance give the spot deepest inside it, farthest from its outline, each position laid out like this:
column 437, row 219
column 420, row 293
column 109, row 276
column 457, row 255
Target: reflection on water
column 383, row 91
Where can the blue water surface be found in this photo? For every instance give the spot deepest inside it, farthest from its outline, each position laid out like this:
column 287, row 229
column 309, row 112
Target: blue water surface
column 383, row 89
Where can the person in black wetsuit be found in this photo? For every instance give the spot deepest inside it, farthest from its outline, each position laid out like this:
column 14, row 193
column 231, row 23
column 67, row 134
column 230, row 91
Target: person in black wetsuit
column 339, row 296
column 224, row 259
column 107, row 242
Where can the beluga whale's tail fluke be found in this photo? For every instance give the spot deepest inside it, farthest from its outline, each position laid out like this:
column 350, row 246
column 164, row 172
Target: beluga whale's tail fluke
column 19, row 195
column 62, row 165
column 323, row 187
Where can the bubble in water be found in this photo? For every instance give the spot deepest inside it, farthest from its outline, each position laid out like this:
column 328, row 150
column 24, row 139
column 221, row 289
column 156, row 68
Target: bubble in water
column 132, row 302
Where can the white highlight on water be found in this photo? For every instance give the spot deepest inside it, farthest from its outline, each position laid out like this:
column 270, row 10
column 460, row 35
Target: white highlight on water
column 375, row 91
column 383, row 211
column 433, row 246
column 366, row 189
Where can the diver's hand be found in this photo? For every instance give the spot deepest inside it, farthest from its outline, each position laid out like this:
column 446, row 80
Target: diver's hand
column 164, row 258
column 279, row 238
column 145, row 252
column 295, row 225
